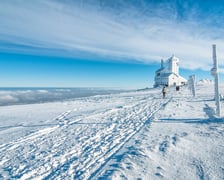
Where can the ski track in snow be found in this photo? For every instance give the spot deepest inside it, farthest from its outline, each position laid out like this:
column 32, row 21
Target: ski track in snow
column 78, row 148
column 182, row 141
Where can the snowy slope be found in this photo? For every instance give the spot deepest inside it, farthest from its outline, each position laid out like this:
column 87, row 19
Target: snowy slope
column 184, row 140
column 135, row 135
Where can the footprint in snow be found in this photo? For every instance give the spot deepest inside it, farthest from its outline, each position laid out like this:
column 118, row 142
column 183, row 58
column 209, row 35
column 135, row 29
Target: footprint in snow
column 184, row 134
column 199, row 168
column 158, row 174
column 164, row 146
column 174, row 139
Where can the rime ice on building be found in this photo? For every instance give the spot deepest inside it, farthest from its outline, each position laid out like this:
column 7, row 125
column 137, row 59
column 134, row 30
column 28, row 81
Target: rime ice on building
column 168, row 74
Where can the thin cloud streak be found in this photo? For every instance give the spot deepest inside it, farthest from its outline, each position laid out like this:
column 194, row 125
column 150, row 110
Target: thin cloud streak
column 53, row 28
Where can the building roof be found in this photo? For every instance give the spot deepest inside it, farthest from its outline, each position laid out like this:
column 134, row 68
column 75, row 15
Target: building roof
column 160, row 69
column 165, row 74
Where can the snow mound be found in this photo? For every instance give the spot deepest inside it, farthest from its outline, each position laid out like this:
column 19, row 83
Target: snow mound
column 205, row 81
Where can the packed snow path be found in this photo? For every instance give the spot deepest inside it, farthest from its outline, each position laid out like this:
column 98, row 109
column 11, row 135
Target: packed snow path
column 184, row 140
column 79, row 147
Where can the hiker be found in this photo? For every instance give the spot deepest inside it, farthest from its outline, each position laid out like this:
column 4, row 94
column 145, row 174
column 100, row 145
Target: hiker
column 164, row 91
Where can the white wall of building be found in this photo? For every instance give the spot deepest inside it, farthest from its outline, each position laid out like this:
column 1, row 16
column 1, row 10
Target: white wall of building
column 173, row 65
column 169, row 75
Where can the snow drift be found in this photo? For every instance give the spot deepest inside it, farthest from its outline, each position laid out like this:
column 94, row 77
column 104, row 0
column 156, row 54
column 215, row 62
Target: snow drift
column 134, row 135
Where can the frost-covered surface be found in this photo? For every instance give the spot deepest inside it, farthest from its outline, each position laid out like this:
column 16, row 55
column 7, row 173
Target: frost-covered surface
column 135, row 135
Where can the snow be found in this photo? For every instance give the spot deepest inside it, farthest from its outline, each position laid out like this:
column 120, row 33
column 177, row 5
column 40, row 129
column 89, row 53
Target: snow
column 132, row 135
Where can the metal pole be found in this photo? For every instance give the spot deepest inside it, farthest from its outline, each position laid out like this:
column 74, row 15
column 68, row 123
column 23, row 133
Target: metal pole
column 193, row 85
column 214, row 72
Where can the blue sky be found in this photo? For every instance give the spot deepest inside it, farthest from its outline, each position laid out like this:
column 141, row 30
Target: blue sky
column 104, row 43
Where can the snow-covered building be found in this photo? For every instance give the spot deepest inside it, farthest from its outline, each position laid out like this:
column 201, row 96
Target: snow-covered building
column 168, row 74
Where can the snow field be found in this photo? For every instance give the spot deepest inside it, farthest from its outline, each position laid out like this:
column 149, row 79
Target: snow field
column 135, row 135
column 77, row 148
column 183, row 141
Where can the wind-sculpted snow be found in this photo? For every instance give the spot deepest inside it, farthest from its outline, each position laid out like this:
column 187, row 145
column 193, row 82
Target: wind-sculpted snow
column 135, row 135
column 77, row 147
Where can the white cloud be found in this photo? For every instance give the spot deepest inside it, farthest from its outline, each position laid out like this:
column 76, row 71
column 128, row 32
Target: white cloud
column 42, row 91
column 53, row 27
column 7, row 98
column 27, row 96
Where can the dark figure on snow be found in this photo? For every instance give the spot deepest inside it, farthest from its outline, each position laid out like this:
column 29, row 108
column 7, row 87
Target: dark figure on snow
column 164, row 91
